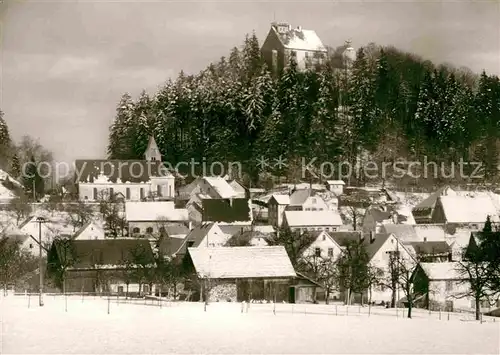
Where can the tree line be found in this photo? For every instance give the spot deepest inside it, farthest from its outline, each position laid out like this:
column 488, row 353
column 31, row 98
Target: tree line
column 389, row 105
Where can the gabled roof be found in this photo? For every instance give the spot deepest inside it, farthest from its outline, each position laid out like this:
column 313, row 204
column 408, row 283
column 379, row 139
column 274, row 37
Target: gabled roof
column 227, row 210
column 176, row 229
column 198, row 234
column 372, row 247
column 246, row 236
column 221, row 186
column 134, row 171
column 378, row 215
column 430, row 202
column 89, row 224
column 431, row 248
column 430, row 232
column 313, row 218
column 116, row 252
column 280, row 199
column 242, row 262
column 404, row 232
column 467, row 209
column 317, row 234
column 298, row 197
column 300, row 39
column 442, row 271
column 170, row 246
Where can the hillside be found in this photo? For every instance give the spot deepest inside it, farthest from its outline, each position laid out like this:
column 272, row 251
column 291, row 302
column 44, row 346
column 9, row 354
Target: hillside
column 393, row 106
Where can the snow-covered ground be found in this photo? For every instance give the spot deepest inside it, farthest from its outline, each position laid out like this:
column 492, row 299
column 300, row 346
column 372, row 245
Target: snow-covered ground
column 87, row 328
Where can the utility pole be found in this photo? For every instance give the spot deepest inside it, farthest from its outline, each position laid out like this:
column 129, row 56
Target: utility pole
column 40, row 220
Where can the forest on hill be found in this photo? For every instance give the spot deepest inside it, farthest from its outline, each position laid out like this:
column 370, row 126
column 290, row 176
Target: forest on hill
column 391, row 106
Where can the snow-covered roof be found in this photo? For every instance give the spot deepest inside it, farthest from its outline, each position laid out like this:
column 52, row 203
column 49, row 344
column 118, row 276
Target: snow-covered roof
column 430, row 232
column 282, row 199
column 430, row 201
column 442, row 271
column 242, row 262
column 221, row 186
column 154, row 211
column 300, row 39
column 313, row 218
column 462, row 209
column 264, row 229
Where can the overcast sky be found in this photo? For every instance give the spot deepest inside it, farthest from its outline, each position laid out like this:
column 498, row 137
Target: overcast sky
column 66, row 64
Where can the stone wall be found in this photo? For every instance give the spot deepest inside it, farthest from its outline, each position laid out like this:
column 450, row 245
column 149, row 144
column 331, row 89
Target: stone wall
column 223, row 292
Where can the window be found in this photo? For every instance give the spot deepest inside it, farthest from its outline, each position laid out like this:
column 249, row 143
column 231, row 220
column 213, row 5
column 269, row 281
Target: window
column 142, row 193
column 127, row 193
column 449, row 285
column 334, row 229
column 136, row 230
column 120, row 289
column 313, row 200
column 293, row 54
column 153, row 158
column 317, row 252
column 330, row 252
column 95, row 193
column 170, row 190
column 111, row 192
column 149, row 230
column 31, row 246
column 324, row 237
column 190, row 243
column 425, row 239
column 158, row 190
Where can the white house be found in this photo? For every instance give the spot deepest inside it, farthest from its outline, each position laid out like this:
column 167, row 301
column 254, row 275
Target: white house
column 135, row 180
column 90, row 231
column 208, row 235
column 313, row 220
column 46, row 231
column 465, row 211
column 149, row 218
column 443, row 286
column 379, row 248
column 306, row 200
column 323, row 246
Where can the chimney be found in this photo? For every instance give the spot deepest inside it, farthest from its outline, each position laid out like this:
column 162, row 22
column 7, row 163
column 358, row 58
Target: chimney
column 190, row 226
column 372, row 237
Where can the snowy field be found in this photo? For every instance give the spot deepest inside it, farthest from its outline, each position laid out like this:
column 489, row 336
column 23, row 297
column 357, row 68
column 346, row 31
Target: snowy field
column 85, row 327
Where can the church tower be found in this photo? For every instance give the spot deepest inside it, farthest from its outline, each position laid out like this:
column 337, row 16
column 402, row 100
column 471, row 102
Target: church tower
column 152, row 152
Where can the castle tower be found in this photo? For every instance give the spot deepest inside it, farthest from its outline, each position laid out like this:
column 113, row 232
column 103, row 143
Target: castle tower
column 152, row 152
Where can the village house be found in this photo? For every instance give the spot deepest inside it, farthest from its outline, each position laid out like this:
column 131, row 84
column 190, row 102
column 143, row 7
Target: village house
column 208, row 235
column 377, row 216
column 442, row 286
column 103, row 265
column 284, row 42
column 464, row 211
column 135, row 180
column 313, row 220
column 423, row 211
column 232, row 215
column 238, row 274
column 149, row 219
column 379, row 248
column 90, row 231
column 276, row 208
column 213, row 186
column 322, row 246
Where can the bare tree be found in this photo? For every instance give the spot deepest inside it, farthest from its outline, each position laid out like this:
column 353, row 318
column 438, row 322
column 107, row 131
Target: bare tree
column 328, row 275
column 295, row 242
column 112, row 210
column 353, row 269
column 406, row 267
column 144, row 268
column 78, row 214
column 14, row 262
column 475, row 274
column 375, row 276
column 20, row 207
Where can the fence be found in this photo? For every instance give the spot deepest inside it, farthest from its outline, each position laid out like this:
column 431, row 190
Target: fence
column 336, row 309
